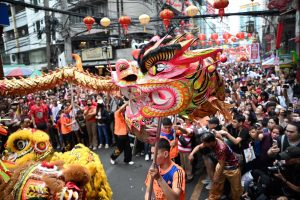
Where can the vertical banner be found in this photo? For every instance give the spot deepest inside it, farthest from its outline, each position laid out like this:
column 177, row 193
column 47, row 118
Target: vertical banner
column 4, row 20
column 279, row 34
column 254, row 53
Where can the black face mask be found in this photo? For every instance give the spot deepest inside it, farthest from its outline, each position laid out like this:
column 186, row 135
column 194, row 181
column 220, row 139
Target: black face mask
column 89, row 104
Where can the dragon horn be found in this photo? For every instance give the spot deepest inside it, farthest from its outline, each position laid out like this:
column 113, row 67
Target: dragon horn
column 177, row 38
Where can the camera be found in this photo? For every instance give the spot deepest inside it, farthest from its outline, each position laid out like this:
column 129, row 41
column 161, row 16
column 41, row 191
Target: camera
column 285, row 86
column 278, row 166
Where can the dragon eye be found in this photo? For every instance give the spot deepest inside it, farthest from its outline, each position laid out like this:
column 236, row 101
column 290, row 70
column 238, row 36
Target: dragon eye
column 21, row 144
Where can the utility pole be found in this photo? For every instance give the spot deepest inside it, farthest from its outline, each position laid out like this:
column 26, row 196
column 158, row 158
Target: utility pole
column 48, row 35
column 1, row 63
column 66, row 33
column 119, row 28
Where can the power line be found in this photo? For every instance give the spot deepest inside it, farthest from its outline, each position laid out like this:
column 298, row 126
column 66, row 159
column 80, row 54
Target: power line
column 249, row 13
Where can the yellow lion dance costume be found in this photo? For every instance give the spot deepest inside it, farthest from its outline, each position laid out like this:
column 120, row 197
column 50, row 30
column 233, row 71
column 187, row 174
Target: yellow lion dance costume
column 27, row 145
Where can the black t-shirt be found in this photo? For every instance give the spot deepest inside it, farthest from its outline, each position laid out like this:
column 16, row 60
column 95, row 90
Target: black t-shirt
column 292, row 174
column 243, row 133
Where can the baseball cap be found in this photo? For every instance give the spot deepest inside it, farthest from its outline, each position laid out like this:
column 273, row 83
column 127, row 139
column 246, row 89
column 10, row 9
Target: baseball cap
column 214, row 120
column 290, row 152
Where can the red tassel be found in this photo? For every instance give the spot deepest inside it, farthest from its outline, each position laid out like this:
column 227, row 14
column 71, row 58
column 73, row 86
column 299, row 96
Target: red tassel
column 279, row 34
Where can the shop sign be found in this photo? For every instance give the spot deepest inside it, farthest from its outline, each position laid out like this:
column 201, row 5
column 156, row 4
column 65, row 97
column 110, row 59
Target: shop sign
column 99, row 53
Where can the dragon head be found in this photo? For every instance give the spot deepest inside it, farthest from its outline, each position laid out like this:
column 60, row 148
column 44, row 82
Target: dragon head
column 168, row 78
column 27, row 145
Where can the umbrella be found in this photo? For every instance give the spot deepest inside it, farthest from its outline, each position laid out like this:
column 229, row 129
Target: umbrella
column 36, row 73
column 18, row 71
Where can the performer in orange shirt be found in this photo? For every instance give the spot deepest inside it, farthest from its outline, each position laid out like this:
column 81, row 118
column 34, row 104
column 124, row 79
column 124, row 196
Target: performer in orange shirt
column 169, row 178
column 123, row 142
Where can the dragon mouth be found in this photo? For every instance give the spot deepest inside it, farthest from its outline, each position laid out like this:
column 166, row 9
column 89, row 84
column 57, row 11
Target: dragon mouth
column 12, row 157
column 160, row 97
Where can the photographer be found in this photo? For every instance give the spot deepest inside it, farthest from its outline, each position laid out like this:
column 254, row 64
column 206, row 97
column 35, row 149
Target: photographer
column 290, row 138
column 288, row 172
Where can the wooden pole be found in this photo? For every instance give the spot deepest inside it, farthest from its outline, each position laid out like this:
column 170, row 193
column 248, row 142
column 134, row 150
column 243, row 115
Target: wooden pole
column 155, row 155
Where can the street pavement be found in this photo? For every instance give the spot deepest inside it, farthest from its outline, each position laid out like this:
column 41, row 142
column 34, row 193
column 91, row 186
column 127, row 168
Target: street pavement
column 127, row 181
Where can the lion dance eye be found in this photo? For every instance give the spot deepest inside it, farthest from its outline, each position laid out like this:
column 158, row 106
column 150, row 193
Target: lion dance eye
column 21, row 144
column 41, row 147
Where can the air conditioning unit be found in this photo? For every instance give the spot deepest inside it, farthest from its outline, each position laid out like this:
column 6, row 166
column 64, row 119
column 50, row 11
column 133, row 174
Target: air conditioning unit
column 13, row 58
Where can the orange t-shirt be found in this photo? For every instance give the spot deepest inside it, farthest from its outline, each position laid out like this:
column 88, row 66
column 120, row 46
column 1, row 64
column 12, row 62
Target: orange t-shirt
column 174, row 177
column 65, row 119
column 90, row 110
column 120, row 124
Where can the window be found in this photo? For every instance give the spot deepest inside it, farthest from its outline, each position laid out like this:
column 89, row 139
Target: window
column 23, row 31
column 38, row 26
column 35, row 2
column 19, row 9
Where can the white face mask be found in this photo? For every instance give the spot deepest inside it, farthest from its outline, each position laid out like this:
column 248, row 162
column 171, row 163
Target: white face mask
column 277, row 110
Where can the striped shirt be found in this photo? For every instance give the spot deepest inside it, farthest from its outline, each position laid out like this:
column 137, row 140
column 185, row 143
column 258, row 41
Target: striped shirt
column 188, row 148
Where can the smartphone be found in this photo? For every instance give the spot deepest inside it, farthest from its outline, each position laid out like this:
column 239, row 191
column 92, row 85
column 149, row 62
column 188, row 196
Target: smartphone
column 274, row 143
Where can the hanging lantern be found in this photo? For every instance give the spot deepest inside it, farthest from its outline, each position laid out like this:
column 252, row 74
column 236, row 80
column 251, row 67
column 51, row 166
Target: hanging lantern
column 233, row 39
column 210, row 43
column 191, row 11
column 195, row 43
column 144, row 20
column 125, row 21
column 217, row 42
column 201, row 36
column 89, row 21
column 225, row 41
column 249, row 35
column 240, row 35
column 221, row 5
column 226, row 36
column 189, row 36
column 105, row 22
column 166, row 15
column 214, row 36
column 203, row 43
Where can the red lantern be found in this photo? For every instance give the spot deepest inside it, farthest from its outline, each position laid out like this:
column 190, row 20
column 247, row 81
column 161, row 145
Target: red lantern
column 195, row 43
column 218, row 42
column 226, row 36
column 240, row 35
column 249, row 35
column 221, row 5
column 225, row 41
column 203, row 43
column 214, row 36
column 89, row 21
column 233, row 39
column 166, row 15
column 189, row 36
column 124, row 22
column 202, row 36
column 223, row 58
column 210, row 43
